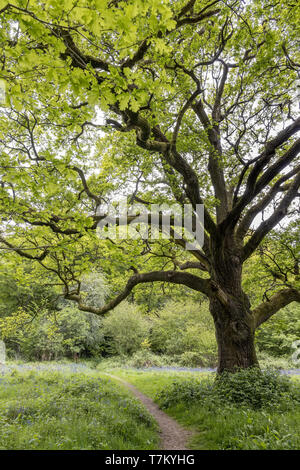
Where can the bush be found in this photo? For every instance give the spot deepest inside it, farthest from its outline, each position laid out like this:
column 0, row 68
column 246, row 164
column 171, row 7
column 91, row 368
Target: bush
column 50, row 335
column 194, row 359
column 251, row 388
column 185, row 330
column 276, row 336
column 125, row 329
column 185, row 392
column 267, row 361
column 144, row 358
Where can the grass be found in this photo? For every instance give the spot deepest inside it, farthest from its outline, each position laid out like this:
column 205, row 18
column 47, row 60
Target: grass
column 151, row 382
column 50, row 409
column 75, row 406
column 220, row 425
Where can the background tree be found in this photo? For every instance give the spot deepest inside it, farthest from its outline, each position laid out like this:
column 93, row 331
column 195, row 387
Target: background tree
column 199, row 100
column 126, row 329
column 185, row 330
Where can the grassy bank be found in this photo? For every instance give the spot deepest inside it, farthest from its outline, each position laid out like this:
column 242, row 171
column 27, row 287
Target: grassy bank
column 42, row 409
column 220, row 424
column 75, row 406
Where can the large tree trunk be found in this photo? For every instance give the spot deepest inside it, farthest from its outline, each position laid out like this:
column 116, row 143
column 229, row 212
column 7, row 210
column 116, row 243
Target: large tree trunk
column 235, row 338
column 233, row 319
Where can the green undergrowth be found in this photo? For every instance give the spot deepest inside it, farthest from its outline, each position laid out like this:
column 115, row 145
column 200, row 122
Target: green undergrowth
column 244, row 411
column 65, row 410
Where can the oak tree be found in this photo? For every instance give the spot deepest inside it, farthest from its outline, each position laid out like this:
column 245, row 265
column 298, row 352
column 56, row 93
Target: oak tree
column 199, row 100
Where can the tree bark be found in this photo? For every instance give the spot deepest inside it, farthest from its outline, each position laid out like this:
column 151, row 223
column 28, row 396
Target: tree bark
column 235, row 338
column 234, row 321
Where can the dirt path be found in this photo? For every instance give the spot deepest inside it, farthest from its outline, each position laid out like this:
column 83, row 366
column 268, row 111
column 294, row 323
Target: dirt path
column 173, row 436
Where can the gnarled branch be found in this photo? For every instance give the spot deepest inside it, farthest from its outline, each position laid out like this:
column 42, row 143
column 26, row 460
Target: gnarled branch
column 175, row 277
column 279, row 300
column 266, row 226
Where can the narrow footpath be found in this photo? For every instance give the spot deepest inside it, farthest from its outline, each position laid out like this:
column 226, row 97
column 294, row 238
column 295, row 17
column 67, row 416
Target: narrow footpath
column 173, row 436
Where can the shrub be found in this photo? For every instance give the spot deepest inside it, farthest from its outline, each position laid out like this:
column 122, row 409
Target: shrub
column 267, row 361
column 184, row 391
column 277, row 335
column 185, row 330
column 195, row 359
column 145, row 358
column 125, row 329
column 50, row 335
column 251, row 388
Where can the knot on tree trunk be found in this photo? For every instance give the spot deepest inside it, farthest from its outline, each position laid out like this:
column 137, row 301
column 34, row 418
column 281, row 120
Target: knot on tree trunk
column 238, row 330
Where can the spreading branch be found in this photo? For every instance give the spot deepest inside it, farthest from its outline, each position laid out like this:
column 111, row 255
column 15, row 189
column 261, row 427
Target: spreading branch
column 267, row 225
column 253, row 187
column 264, row 202
column 279, row 300
column 23, row 253
column 174, row 277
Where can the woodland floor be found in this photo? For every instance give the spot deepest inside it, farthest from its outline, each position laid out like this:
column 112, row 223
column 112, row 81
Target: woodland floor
column 172, row 435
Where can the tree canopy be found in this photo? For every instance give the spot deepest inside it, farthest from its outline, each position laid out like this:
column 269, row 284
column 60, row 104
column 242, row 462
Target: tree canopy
column 161, row 101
